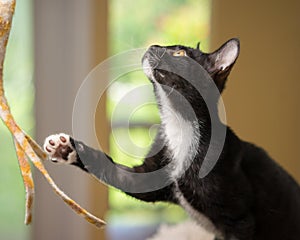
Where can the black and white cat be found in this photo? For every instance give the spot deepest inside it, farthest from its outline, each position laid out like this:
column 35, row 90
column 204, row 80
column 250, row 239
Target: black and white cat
column 246, row 196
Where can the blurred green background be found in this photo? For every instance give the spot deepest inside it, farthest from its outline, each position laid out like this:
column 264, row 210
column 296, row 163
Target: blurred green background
column 19, row 86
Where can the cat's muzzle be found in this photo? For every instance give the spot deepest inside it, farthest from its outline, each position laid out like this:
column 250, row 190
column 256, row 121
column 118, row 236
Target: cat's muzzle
column 152, row 59
column 153, row 55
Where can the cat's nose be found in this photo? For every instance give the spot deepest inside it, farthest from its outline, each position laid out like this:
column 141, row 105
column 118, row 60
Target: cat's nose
column 154, row 55
column 157, row 51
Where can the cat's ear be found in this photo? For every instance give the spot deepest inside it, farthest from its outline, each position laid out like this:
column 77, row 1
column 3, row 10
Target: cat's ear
column 222, row 60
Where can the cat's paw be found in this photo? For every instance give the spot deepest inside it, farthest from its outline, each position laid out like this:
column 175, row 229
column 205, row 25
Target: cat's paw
column 59, row 149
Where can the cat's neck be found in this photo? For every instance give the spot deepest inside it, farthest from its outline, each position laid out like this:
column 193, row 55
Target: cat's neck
column 182, row 136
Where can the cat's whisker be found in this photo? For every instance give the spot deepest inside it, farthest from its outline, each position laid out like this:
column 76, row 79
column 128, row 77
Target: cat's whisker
column 160, row 74
column 125, row 66
column 172, row 89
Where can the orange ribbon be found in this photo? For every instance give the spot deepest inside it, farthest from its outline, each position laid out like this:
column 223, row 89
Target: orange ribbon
column 26, row 147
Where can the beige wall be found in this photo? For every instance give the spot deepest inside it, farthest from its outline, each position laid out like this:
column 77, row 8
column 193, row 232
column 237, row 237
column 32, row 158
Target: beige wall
column 262, row 97
column 70, row 39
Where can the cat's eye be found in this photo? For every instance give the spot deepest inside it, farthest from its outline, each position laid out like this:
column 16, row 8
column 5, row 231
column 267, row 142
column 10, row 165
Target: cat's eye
column 179, row 53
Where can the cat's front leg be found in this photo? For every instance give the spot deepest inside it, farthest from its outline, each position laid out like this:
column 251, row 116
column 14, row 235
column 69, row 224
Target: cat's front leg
column 62, row 148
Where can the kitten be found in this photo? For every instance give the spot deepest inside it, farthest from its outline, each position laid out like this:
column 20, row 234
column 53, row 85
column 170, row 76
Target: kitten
column 246, row 196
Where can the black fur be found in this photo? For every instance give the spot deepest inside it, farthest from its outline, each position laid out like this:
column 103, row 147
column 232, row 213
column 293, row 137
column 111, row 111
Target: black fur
column 247, row 196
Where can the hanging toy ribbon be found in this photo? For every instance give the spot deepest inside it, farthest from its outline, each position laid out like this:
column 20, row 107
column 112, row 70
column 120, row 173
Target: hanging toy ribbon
column 26, row 148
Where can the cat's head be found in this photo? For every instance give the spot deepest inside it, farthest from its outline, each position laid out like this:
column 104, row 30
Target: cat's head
column 166, row 66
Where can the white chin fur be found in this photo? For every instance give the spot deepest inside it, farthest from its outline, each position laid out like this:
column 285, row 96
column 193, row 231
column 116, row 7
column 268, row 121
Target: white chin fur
column 148, row 69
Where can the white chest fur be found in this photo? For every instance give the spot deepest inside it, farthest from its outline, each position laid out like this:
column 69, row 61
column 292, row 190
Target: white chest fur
column 182, row 136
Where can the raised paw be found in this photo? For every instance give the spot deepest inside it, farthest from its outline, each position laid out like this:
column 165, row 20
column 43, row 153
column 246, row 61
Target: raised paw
column 59, row 149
